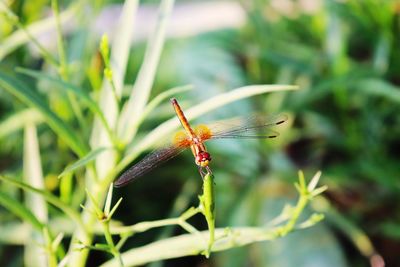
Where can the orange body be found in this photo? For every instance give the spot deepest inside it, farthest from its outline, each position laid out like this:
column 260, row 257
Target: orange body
column 193, row 138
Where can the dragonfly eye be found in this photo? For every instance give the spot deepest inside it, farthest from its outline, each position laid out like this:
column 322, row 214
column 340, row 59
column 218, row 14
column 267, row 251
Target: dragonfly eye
column 203, row 158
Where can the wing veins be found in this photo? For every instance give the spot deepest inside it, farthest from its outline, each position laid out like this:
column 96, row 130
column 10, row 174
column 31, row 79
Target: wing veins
column 148, row 163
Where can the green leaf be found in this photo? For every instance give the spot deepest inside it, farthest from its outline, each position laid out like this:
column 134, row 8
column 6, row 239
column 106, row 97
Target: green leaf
column 83, row 161
column 49, row 198
column 120, row 47
column 19, row 210
column 69, row 87
column 158, row 99
column 33, row 174
column 66, row 188
column 127, row 124
column 33, row 99
column 19, row 37
column 18, row 120
column 379, row 87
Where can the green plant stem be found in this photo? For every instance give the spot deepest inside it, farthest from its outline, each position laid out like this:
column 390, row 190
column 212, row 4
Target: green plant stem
column 145, row 226
column 114, row 91
column 63, row 68
column 289, row 226
column 188, row 244
column 52, row 255
column 207, row 205
column 114, row 250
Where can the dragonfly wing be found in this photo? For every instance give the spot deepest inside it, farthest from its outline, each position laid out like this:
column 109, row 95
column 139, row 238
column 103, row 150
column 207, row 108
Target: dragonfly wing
column 148, row 163
column 253, row 127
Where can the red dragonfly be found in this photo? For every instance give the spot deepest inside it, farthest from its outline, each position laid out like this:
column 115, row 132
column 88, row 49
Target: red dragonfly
column 194, row 139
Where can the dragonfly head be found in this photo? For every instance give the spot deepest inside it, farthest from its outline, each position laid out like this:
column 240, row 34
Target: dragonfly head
column 203, row 159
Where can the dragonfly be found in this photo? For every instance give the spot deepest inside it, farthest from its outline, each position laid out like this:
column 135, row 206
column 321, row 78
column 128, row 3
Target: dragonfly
column 194, row 138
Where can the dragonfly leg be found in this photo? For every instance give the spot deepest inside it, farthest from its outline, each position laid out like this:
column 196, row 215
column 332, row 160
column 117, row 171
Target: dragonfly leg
column 201, row 171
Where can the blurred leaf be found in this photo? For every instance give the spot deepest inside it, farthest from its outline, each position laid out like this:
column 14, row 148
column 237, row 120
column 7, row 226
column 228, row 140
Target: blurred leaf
column 20, row 37
column 18, row 120
column 161, row 97
column 49, row 198
column 120, row 47
column 33, row 99
column 83, row 161
column 379, row 87
column 17, row 208
column 127, row 124
column 353, row 232
column 324, row 251
column 66, row 188
column 33, row 175
column 69, row 87
column 391, row 229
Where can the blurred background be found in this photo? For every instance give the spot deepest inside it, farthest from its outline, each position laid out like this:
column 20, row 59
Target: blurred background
column 345, row 57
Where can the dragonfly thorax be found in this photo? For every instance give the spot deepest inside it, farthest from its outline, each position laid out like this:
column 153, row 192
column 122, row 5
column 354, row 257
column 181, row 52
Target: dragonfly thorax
column 196, row 140
column 203, row 158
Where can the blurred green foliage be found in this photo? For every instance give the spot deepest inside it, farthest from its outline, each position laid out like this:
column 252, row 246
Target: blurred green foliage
column 345, row 121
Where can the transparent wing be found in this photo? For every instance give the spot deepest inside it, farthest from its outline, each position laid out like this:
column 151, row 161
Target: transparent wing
column 256, row 126
column 148, row 163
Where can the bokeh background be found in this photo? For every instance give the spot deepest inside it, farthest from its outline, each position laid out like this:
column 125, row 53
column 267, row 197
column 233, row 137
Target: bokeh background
column 345, row 57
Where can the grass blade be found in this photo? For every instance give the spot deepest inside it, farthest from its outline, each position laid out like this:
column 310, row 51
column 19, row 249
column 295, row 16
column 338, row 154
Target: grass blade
column 33, row 99
column 379, row 87
column 18, row 120
column 49, row 198
column 18, row 209
column 127, row 124
column 71, row 88
column 83, row 161
column 33, row 175
column 119, row 57
column 19, row 37
column 161, row 97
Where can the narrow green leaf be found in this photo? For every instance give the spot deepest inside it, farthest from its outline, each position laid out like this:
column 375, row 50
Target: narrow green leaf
column 83, row 161
column 111, row 213
column 19, row 37
column 99, row 213
column 159, row 98
column 379, row 87
column 162, row 96
column 33, row 99
column 127, row 124
column 19, row 210
column 18, row 120
column 84, row 97
column 49, row 198
column 120, row 47
column 66, row 187
column 33, row 174
column 107, row 206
